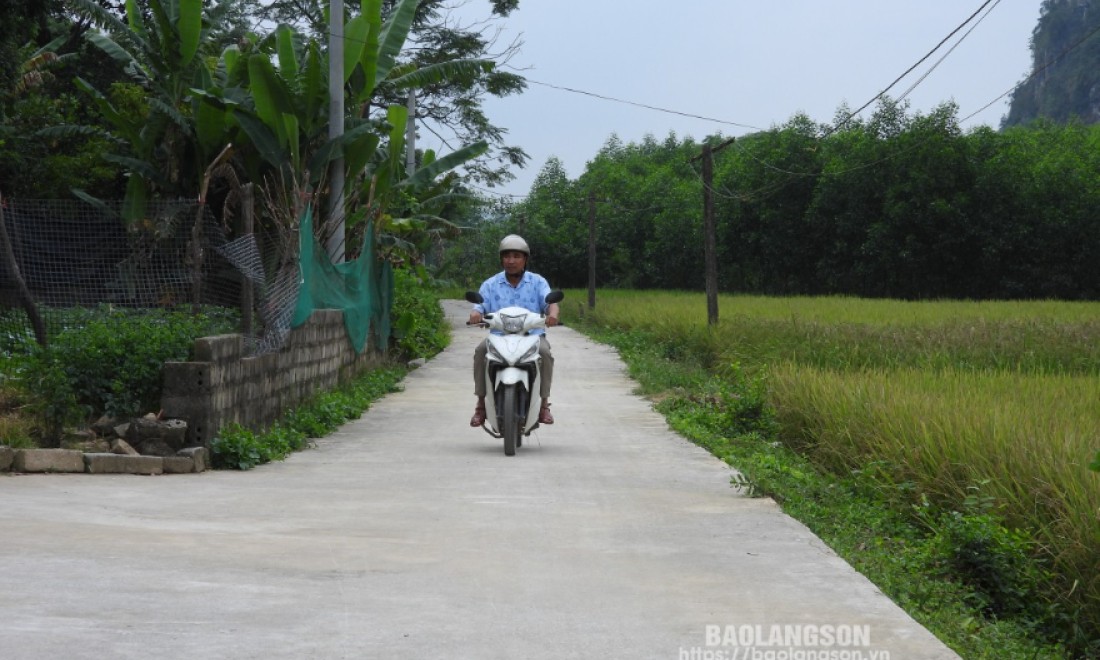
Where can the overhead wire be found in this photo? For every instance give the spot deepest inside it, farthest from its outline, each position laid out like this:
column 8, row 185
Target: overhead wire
column 643, row 105
column 910, row 69
column 987, row 7
column 940, row 61
column 1055, row 60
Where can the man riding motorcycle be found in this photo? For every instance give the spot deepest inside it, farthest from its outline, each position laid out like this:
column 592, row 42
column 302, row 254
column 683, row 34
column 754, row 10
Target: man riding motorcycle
column 515, row 286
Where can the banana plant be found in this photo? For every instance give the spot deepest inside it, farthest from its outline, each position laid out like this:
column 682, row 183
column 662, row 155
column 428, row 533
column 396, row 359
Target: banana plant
column 158, row 50
column 286, row 123
column 418, row 194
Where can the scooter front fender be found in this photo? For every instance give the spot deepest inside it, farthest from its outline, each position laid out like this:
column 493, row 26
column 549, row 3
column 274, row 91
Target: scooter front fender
column 511, row 376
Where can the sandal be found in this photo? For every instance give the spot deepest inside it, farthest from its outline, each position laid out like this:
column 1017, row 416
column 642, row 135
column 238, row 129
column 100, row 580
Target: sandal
column 479, row 417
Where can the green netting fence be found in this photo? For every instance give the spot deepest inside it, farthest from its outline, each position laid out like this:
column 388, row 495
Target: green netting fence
column 76, row 260
column 362, row 288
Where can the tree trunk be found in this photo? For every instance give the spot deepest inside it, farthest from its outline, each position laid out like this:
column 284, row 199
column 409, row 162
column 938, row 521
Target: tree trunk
column 12, row 267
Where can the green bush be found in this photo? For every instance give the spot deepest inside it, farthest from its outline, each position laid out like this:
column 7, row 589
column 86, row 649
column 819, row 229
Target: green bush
column 995, row 562
column 109, row 362
column 419, row 329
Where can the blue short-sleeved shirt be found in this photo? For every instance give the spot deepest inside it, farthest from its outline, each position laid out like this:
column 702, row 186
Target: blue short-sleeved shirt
column 530, row 294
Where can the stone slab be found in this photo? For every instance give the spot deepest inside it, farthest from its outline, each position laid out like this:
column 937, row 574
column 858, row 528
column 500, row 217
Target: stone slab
column 178, row 465
column 48, row 460
column 197, row 456
column 7, row 456
column 123, row 464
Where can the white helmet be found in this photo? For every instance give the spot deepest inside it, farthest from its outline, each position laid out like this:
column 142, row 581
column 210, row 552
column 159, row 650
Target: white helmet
column 514, row 242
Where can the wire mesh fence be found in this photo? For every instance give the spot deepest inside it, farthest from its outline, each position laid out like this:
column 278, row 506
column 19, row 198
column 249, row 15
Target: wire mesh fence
column 69, row 255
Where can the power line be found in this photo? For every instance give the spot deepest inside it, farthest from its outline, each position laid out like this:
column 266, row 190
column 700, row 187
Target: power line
column 910, row 69
column 940, row 61
column 987, row 7
column 726, row 122
column 1055, row 60
column 643, row 105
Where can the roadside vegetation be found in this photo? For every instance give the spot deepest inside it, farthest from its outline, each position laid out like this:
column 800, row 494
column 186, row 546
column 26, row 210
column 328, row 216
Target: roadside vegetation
column 107, row 361
column 238, row 448
column 942, row 448
column 99, row 361
column 420, row 331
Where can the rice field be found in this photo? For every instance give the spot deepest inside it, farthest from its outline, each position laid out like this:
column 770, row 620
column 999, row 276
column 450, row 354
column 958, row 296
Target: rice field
column 948, row 398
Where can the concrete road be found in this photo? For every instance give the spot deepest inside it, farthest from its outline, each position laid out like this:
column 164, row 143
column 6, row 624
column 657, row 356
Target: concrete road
column 408, row 534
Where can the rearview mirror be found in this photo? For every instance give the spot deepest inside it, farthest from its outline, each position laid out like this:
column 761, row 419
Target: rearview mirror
column 555, row 297
column 474, row 297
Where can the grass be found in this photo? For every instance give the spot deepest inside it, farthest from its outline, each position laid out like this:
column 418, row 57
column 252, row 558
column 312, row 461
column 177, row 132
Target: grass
column 238, row 448
column 959, row 435
column 847, row 333
column 1022, row 440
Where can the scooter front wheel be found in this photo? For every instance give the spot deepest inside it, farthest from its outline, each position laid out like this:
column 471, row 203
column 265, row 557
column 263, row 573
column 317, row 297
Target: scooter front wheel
column 511, row 421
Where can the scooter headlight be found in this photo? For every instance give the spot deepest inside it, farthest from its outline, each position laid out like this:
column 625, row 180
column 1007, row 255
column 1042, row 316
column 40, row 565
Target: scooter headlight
column 529, row 353
column 512, row 324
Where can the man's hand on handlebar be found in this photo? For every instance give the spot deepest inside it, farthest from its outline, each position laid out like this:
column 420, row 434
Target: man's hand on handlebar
column 475, row 318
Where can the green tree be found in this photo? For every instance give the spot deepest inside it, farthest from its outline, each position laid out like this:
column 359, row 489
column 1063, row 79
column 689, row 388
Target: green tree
column 159, row 51
column 922, row 244
column 32, row 164
column 552, row 219
column 449, row 107
column 21, row 21
column 768, row 180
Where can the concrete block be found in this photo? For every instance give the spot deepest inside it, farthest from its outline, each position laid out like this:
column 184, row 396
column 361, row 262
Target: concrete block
column 48, row 460
column 219, row 348
column 186, row 378
column 123, row 464
column 7, row 456
column 197, row 456
column 178, row 465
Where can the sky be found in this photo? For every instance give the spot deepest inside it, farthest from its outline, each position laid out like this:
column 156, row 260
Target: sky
column 752, row 63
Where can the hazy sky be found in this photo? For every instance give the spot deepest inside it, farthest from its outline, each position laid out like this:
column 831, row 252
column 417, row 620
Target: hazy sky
column 750, row 62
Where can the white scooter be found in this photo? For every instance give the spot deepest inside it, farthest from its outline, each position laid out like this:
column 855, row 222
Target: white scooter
column 513, row 369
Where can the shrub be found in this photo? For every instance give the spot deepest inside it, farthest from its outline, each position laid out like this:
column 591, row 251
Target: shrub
column 419, row 329
column 109, row 363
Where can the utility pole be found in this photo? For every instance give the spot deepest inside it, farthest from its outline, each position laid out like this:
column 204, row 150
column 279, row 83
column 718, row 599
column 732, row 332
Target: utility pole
column 710, row 231
column 410, row 135
column 591, row 249
column 335, row 244
column 710, row 256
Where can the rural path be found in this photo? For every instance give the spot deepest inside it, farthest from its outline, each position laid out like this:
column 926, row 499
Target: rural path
column 407, row 534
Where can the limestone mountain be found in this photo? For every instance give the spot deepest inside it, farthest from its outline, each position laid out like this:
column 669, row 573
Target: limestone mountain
column 1064, row 81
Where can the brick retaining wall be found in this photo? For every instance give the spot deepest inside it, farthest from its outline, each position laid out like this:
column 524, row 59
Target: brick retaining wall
column 223, row 386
